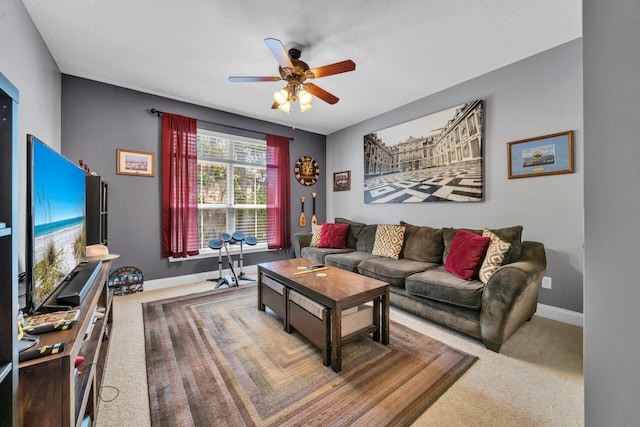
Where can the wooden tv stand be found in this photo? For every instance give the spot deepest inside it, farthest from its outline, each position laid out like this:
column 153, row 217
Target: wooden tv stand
column 50, row 391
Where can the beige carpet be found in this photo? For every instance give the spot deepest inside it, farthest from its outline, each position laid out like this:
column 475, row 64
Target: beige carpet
column 536, row 380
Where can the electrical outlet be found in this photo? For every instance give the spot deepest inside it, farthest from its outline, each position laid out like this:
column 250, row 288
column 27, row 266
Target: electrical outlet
column 546, row 282
column 235, row 263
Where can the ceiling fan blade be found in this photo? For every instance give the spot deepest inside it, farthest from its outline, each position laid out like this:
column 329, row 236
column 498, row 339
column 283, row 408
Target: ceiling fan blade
column 337, row 68
column 244, row 79
column 278, row 50
column 275, row 105
column 321, row 93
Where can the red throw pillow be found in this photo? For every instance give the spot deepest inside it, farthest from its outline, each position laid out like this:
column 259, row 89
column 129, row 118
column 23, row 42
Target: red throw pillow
column 334, row 236
column 466, row 254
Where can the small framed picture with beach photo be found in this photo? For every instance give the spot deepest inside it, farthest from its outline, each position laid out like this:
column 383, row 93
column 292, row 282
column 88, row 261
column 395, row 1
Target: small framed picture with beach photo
column 132, row 162
column 542, row 155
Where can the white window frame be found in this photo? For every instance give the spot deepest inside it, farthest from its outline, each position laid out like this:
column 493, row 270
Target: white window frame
column 230, row 206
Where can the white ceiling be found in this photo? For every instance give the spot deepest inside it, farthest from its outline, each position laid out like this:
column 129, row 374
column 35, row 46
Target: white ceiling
column 404, row 50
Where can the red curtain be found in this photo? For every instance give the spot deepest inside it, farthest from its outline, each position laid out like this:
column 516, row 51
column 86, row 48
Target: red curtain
column 278, row 193
column 179, row 198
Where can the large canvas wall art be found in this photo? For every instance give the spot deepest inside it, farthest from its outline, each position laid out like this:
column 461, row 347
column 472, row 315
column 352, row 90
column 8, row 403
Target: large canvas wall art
column 436, row 158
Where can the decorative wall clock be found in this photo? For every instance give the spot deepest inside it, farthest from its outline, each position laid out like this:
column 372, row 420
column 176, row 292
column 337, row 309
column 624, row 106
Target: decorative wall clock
column 306, row 170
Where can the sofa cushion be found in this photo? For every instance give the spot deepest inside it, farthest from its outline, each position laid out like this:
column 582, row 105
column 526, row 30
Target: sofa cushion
column 354, row 230
column 389, row 239
column 422, row 243
column 496, row 254
column 317, row 255
column 348, row 260
column 316, row 230
column 512, row 235
column 466, row 254
column 440, row 285
column 333, row 236
column 366, row 238
column 390, row 270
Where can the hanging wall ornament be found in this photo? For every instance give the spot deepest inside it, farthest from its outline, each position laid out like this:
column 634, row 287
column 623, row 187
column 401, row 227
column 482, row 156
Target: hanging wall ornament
column 303, row 219
column 314, row 219
column 306, row 170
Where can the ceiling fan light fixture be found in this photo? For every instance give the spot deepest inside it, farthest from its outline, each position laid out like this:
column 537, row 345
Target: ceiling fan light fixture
column 281, row 96
column 285, row 106
column 304, row 97
column 295, row 72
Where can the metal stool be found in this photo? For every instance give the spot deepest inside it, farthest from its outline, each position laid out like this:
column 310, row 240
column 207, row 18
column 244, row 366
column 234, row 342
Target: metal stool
column 239, row 237
column 217, row 244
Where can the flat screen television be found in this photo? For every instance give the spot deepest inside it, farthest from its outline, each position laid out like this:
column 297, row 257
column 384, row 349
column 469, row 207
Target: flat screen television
column 56, row 222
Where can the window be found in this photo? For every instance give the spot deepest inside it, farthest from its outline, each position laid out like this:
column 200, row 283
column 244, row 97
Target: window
column 231, row 189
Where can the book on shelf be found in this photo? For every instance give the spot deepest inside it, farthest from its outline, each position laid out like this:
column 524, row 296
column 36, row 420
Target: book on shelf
column 50, row 322
column 3, row 224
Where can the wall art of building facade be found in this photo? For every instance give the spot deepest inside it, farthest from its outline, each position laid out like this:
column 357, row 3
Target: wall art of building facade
column 435, row 158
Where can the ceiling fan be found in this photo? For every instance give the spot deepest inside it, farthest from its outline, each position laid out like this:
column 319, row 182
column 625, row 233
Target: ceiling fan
column 296, row 73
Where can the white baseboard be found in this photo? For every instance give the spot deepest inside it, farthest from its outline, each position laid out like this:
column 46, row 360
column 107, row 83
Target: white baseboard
column 152, row 285
column 561, row 315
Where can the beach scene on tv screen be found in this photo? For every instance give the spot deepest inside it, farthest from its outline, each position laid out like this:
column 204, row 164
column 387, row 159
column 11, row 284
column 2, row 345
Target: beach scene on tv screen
column 59, row 220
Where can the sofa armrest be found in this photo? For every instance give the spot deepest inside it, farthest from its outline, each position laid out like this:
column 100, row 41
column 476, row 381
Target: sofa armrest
column 510, row 297
column 299, row 241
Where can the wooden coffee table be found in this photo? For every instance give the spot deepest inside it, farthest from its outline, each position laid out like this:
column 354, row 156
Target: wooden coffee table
column 338, row 290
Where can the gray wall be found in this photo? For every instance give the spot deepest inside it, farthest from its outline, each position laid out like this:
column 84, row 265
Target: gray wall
column 98, row 118
column 27, row 63
column 537, row 96
column 612, row 208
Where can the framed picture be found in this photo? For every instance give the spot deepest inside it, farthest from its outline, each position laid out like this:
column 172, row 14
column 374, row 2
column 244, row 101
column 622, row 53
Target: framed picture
column 342, row 181
column 542, row 155
column 134, row 163
column 432, row 159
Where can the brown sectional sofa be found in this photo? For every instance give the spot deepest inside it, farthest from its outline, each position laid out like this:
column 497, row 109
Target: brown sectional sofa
column 490, row 311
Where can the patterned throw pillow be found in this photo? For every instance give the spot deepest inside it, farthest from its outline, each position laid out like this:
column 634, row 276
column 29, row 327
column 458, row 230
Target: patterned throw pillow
column 315, row 234
column 495, row 257
column 389, row 239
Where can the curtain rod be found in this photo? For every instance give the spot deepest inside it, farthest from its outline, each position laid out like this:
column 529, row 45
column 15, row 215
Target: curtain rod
column 159, row 113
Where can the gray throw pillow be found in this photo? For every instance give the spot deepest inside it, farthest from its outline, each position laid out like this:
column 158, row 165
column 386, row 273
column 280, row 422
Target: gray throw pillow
column 354, row 230
column 512, row 235
column 422, row 243
column 366, row 238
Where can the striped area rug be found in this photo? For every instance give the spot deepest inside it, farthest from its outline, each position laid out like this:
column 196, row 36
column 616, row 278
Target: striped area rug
column 213, row 359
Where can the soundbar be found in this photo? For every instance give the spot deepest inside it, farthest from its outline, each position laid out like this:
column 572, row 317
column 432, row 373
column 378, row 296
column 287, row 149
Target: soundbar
column 78, row 283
